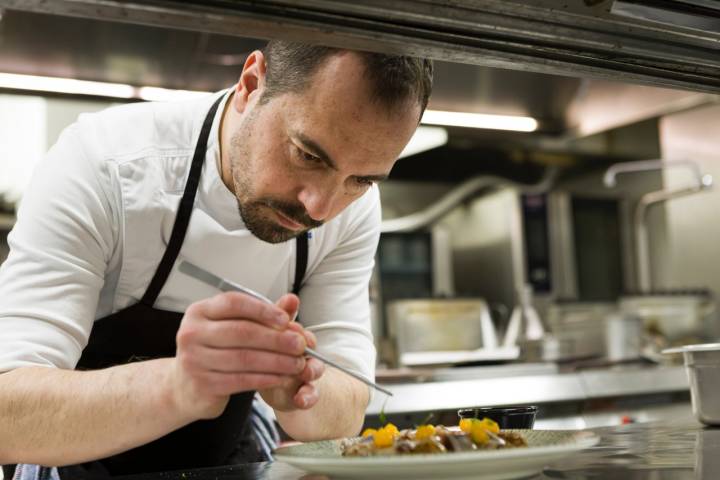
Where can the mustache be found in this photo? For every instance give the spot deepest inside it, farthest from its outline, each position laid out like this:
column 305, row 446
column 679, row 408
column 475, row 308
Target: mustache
column 293, row 211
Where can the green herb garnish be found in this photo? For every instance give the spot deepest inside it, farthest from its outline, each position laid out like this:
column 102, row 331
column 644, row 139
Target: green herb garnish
column 383, row 418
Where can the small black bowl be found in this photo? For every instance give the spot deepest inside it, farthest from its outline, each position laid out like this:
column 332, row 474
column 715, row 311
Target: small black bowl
column 506, row 417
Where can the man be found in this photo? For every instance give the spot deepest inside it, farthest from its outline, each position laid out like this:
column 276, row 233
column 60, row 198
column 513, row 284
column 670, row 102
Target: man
column 90, row 283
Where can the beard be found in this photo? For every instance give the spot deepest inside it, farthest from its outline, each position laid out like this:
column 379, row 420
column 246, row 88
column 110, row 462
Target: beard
column 254, row 210
column 265, row 228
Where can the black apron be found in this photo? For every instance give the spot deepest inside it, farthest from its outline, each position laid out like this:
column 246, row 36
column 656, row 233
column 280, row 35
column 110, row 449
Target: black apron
column 142, row 332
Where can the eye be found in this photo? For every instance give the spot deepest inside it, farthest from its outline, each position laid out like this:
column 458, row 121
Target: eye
column 363, row 182
column 308, row 157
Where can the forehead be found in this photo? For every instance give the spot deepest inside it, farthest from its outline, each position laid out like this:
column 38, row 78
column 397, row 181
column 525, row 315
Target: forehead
column 336, row 110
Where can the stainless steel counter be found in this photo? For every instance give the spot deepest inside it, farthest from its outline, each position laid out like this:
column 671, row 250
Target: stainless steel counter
column 672, row 449
column 530, row 389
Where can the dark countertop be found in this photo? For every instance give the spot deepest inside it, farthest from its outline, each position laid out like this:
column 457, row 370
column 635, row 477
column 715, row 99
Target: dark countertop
column 657, row 451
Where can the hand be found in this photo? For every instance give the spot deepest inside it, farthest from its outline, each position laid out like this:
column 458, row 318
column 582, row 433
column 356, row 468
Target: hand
column 233, row 343
column 301, row 392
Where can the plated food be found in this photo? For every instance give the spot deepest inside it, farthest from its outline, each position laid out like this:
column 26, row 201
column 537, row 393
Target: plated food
column 336, row 458
column 470, row 434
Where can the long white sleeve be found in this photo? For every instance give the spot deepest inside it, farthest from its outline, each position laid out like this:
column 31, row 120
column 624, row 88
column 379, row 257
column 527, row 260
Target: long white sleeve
column 335, row 299
column 59, row 249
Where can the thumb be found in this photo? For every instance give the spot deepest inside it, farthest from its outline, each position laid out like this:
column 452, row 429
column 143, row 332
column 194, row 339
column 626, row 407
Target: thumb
column 290, row 303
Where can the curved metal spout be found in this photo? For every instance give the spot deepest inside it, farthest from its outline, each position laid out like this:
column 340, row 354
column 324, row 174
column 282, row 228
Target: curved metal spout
column 646, row 165
column 451, row 199
column 703, row 182
column 646, row 202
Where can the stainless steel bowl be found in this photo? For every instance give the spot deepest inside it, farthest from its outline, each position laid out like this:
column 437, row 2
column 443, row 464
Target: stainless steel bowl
column 702, row 363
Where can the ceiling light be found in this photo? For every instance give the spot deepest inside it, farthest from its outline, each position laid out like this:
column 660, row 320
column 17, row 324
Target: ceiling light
column 35, row 83
column 118, row 90
column 153, row 94
column 65, row 85
column 479, row 120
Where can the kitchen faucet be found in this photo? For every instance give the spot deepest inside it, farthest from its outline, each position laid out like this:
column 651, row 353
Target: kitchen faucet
column 702, row 182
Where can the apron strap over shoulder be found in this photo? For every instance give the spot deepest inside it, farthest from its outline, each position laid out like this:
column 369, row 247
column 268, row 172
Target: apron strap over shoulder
column 182, row 219
column 301, row 259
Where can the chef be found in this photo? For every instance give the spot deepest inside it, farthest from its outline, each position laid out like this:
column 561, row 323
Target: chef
column 115, row 362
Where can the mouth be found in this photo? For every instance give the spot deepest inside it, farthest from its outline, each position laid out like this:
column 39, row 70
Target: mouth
column 287, row 222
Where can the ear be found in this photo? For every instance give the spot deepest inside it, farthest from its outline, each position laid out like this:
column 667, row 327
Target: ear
column 252, row 81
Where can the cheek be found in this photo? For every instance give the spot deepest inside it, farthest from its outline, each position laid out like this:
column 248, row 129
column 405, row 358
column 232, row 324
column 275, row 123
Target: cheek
column 274, row 172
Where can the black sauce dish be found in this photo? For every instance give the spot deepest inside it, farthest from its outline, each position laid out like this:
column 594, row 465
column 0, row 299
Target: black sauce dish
column 506, row 417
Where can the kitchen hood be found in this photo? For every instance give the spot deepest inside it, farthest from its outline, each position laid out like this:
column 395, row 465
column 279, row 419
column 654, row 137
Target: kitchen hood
column 569, row 65
column 580, row 39
column 703, row 15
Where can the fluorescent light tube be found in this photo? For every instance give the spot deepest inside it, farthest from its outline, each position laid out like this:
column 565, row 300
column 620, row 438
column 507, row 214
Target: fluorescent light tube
column 36, row 83
column 479, row 120
column 118, row 90
column 65, row 85
column 154, row 94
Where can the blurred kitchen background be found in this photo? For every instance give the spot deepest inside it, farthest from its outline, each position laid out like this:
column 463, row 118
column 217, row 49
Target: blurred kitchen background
column 544, row 256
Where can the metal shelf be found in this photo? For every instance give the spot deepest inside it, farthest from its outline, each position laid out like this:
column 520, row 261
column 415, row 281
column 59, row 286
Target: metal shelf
column 530, row 389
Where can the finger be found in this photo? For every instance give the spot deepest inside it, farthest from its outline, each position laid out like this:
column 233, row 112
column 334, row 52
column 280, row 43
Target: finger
column 216, row 383
column 299, row 330
column 290, row 303
column 313, row 370
column 310, row 338
column 236, row 360
column 239, row 334
column 295, row 327
column 307, row 396
column 235, row 305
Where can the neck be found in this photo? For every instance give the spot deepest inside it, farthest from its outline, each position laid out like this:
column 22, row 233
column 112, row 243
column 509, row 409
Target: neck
column 225, row 133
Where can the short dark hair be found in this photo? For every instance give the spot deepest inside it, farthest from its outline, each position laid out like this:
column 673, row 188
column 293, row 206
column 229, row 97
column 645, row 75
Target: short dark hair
column 393, row 79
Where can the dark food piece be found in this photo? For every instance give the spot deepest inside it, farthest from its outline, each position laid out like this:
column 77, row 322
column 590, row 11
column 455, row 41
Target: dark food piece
column 513, row 439
column 443, row 440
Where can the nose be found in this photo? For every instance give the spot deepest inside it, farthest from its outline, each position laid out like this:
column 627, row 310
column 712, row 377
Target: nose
column 318, row 200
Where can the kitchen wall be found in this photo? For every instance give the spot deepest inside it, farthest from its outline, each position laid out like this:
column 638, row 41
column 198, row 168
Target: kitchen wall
column 693, row 256
column 29, row 125
column 22, row 140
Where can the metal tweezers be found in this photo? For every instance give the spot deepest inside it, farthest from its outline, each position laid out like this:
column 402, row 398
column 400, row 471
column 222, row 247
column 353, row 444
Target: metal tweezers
column 221, row 284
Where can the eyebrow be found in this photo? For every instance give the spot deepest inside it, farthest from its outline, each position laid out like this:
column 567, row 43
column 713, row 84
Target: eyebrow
column 373, row 178
column 319, row 152
column 315, row 149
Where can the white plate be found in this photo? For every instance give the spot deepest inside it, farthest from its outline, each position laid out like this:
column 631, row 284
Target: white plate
column 544, row 447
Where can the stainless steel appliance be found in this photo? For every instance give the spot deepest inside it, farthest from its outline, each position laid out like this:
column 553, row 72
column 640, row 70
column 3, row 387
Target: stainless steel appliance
column 409, row 265
column 677, row 316
column 566, row 245
column 444, row 331
column 416, row 264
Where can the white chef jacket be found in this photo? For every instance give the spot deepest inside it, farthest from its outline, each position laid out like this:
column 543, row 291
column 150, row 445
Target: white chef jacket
column 97, row 216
